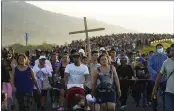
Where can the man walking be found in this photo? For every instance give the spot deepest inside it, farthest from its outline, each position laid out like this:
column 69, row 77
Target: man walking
column 168, row 69
column 154, row 66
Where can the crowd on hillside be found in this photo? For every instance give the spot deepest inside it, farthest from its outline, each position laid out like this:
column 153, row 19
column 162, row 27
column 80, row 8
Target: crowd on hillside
column 125, row 41
column 108, row 78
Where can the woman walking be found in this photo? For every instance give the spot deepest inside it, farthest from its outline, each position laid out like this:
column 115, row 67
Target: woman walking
column 43, row 77
column 61, row 85
column 106, row 80
column 22, row 82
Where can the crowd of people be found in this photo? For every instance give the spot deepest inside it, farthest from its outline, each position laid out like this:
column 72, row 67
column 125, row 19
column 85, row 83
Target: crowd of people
column 116, row 70
column 125, row 41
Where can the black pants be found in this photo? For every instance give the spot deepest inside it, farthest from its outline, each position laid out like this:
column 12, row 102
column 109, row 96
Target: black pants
column 141, row 88
column 149, row 90
column 124, row 86
column 155, row 101
column 37, row 97
column 24, row 100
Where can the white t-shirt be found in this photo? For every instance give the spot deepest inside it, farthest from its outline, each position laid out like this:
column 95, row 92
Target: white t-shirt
column 41, row 73
column 46, row 62
column 167, row 68
column 76, row 73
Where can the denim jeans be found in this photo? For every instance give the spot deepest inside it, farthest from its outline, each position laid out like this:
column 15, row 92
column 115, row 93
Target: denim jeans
column 169, row 101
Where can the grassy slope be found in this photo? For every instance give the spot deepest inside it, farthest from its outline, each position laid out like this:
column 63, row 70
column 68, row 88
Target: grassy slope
column 166, row 44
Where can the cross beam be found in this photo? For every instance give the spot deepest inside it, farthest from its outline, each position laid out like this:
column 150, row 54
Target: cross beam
column 87, row 38
column 83, row 31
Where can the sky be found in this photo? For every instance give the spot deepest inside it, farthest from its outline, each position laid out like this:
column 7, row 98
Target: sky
column 142, row 16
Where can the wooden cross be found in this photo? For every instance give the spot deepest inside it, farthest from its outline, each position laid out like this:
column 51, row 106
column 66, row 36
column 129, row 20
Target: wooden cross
column 87, row 38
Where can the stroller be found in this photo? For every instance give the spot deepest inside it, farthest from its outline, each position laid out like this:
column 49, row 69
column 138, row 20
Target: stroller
column 75, row 98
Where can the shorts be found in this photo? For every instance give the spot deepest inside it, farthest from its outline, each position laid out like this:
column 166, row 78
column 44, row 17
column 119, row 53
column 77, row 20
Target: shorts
column 59, row 86
column 104, row 97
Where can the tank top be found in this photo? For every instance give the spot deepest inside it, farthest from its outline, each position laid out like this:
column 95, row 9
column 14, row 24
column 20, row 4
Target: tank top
column 23, row 81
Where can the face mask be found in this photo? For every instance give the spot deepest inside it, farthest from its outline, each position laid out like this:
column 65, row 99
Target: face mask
column 160, row 51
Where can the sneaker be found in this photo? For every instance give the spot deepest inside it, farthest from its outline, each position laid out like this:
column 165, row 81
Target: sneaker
column 149, row 103
column 60, row 108
column 88, row 108
column 122, row 107
column 55, row 105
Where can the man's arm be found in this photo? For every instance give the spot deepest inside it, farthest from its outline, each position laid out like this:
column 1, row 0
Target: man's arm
column 158, row 81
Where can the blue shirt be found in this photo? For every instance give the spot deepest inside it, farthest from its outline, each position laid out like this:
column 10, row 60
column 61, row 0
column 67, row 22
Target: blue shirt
column 155, row 64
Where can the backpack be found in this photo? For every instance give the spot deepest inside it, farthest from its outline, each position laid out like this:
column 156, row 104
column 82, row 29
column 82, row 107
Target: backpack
column 105, row 81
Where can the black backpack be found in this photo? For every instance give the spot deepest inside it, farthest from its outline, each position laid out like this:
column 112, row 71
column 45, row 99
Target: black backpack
column 105, row 81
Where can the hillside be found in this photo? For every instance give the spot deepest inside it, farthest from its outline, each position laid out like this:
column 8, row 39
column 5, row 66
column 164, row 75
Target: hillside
column 44, row 26
column 166, row 44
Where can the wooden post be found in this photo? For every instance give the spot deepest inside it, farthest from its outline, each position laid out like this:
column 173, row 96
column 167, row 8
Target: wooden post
column 88, row 48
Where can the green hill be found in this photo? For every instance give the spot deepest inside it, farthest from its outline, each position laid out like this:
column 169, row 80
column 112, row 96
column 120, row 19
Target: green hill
column 166, row 44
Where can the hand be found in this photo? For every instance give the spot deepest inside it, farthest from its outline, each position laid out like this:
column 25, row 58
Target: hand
column 119, row 93
column 154, row 93
column 39, row 91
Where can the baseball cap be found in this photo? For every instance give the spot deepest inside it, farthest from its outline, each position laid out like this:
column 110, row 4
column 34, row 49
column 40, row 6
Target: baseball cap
column 76, row 55
column 102, row 49
column 42, row 57
column 140, row 59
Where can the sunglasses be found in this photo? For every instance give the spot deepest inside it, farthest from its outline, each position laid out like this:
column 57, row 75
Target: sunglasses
column 76, row 56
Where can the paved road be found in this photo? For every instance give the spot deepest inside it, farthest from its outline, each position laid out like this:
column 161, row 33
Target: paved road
column 130, row 106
